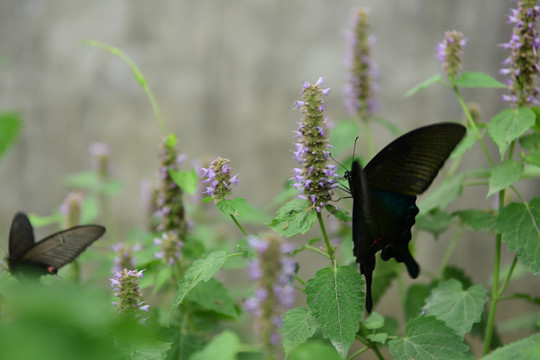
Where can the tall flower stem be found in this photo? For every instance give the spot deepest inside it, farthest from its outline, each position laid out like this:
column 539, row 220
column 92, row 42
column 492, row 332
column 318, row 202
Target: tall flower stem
column 329, row 247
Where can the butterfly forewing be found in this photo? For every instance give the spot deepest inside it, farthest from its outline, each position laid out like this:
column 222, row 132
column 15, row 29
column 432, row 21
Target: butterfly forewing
column 409, row 164
column 63, row 247
column 21, row 237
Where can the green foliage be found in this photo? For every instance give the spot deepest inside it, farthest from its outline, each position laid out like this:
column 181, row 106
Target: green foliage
column 10, row 126
column 519, row 225
column 458, row 308
column 298, row 326
column 335, row 299
column 429, row 338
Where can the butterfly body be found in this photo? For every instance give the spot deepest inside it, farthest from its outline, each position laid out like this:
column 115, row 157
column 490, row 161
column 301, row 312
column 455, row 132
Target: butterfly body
column 50, row 254
column 384, row 195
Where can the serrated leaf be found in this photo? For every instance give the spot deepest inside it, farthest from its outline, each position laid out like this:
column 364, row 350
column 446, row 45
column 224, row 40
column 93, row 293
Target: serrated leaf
column 294, row 217
column 478, row 80
column 458, row 308
column 374, row 321
column 436, row 222
column 443, row 195
column 187, row 180
column 504, row 175
column 479, row 220
column 200, row 270
column 298, row 325
column 314, row 350
column 524, row 349
column 429, row 339
column 10, row 126
column 339, row 214
column 342, row 136
column 464, row 145
column 378, row 337
column 336, row 300
column 508, row 125
column 222, row 347
column 519, row 225
column 212, row 295
column 247, row 252
column 237, row 207
column 424, row 84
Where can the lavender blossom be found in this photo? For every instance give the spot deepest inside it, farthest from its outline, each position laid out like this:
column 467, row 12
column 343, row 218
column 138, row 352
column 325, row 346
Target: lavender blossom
column 169, row 197
column 273, row 272
column 360, row 89
column 100, row 159
column 521, row 67
column 450, row 52
column 124, row 256
column 218, row 178
column 315, row 179
column 71, row 209
column 126, row 288
column 170, row 246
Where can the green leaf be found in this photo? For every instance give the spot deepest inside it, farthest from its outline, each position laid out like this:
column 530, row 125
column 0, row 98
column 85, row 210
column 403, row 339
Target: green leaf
column 508, row 125
column 187, row 180
column 294, row 217
column 458, row 308
column 222, row 347
column 464, row 145
column 212, row 295
column 314, row 350
column 436, row 222
column 10, row 126
column 478, row 80
column 336, row 300
column 374, row 321
column 503, row 175
column 200, row 270
column 530, row 142
column 342, row 136
column 429, row 339
column 443, row 195
column 519, row 225
column 533, row 158
column 424, row 84
column 339, row 214
column 479, row 220
column 247, row 252
column 237, row 207
column 416, row 298
column 298, row 326
column 524, row 349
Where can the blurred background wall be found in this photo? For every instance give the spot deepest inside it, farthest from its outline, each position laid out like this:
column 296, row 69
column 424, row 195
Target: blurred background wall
column 225, row 75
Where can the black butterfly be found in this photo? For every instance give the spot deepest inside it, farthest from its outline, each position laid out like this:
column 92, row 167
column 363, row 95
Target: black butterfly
column 384, row 195
column 49, row 254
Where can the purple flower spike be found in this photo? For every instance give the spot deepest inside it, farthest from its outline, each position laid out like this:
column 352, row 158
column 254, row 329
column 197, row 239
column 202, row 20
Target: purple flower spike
column 314, row 178
column 360, row 89
column 521, row 67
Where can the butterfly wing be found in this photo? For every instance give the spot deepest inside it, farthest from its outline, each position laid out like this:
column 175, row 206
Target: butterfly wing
column 409, row 164
column 21, row 239
column 62, row 247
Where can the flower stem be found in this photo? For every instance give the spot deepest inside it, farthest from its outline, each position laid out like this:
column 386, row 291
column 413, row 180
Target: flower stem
column 238, row 224
column 325, row 236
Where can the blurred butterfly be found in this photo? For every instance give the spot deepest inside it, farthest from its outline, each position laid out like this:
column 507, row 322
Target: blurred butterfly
column 49, row 254
column 384, row 195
